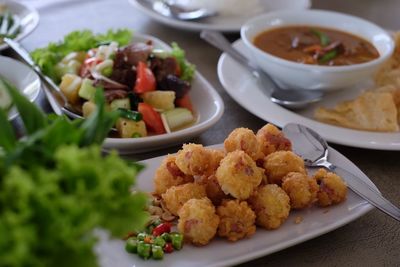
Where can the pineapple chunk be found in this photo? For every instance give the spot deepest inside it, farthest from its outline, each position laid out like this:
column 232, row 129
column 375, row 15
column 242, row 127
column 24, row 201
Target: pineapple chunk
column 69, row 86
column 163, row 100
column 129, row 128
column 88, row 108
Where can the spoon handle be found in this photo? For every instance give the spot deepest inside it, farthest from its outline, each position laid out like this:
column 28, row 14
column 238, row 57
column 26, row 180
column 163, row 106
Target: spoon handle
column 219, row 41
column 367, row 192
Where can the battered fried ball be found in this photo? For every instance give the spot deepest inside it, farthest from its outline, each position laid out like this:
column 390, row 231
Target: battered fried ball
column 194, row 159
column 198, row 221
column 271, row 139
column 332, row 188
column 168, row 174
column 280, row 163
column 236, row 220
column 176, row 196
column 243, row 139
column 271, row 205
column 301, row 189
column 238, row 175
column 216, row 156
column 213, row 190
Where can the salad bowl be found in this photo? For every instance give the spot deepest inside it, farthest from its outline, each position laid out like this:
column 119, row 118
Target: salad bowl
column 207, row 104
column 207, row 110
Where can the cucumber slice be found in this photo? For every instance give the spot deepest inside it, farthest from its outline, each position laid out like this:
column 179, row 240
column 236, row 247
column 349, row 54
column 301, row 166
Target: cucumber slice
column 123, row 103
column 178, row 117
column 87, row 89
column 5, row 99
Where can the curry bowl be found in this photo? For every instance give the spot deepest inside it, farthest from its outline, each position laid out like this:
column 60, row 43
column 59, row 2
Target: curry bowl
column 324, row 76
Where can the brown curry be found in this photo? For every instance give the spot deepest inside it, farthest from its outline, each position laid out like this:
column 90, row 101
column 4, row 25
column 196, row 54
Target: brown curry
column 316, row 45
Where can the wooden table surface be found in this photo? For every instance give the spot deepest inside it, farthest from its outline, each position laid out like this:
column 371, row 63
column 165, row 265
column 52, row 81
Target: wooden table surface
column 372, row 240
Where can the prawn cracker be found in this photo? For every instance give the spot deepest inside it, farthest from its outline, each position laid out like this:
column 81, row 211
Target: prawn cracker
column 371, row 111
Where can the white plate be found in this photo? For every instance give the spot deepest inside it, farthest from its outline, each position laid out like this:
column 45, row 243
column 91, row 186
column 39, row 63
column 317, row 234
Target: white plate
column 244, row 89
column 28, row 15
column 219, row 23
column 22, row 77
column 316, row 221
column 207, row 104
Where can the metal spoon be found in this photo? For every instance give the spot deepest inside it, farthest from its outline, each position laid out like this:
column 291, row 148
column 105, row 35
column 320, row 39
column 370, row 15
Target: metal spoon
column 290, row 98
column 314, row 150
column 56, row 98
column 169, row 9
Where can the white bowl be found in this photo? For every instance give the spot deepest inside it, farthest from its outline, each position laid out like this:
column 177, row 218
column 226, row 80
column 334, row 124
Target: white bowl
column 295, row 75
column 23, row 77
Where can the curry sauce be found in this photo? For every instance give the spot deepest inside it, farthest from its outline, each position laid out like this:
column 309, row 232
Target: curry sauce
column 316, row 45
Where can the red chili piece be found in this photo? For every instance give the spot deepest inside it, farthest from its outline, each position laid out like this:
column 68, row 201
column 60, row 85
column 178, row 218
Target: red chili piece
column 162, row 228
column 168, row 248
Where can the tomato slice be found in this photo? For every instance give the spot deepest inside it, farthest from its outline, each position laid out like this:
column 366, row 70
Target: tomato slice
column 184, row 102
column 88, row 64
column 151, row 118
column 145, row 80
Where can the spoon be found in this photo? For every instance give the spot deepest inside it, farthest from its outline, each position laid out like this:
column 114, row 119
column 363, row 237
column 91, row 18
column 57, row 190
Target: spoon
column 169, row 9
column 290, row 98
column 56, row 98
column 314, row 150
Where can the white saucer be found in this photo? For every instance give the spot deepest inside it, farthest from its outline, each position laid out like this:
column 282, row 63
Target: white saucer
column 244, row 89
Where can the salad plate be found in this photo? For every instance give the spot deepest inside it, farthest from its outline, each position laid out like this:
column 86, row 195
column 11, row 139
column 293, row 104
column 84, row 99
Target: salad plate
column 316, row 222
column 28, row 15
column 207, row 105
column 224, row 23
column 22, row 77
column 243, row 87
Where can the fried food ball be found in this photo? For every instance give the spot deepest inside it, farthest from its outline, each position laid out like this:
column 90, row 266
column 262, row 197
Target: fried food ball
column 243, row 139
column 238, row 174
column 280, row 163
column 301, row 189
column 198, row 221
column 216, row 156
column 176, row 196
column 194, row 159
column 332, row 188
column 271, row 205
column 236, row 220
column 168, row 174
column 271, row 139
column 213, row 189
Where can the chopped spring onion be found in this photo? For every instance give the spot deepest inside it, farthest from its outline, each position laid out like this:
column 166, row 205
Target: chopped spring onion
column 323, row 38
column 328, row 56
column 130, row 114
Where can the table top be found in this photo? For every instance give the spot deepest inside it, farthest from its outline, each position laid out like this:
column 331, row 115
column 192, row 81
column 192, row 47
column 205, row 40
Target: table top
column 373, row 239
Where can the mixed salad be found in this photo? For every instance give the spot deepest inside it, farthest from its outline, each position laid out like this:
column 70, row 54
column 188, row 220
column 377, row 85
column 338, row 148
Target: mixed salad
column 10, row 24
column 147, row 86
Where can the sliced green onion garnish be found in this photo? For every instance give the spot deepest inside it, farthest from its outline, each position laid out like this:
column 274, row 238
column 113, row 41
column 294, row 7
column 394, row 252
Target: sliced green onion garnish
column 323, row 38
column 130, row 114
column 328, row 56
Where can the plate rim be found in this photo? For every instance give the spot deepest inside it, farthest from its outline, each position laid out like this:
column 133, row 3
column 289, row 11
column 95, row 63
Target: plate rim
column 327, row 129
column 189, row 25
column 31, row 11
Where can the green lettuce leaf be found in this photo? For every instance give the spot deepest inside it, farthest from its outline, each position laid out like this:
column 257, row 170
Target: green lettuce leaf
column 187, row 69
column 47, row 58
